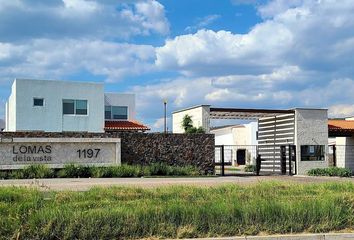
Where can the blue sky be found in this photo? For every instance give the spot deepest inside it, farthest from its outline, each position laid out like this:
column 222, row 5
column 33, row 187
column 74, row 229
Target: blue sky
column 232, row 53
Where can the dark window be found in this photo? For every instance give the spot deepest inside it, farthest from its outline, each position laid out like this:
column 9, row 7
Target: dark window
column 77, row 107
column 68, row 106
column 108, row 112
column 38, row 102
column 81, row 107
column 119, row 112
column 312, row 153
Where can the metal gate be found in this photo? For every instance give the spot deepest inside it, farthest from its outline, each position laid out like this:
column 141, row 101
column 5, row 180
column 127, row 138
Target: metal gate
column 236, row 159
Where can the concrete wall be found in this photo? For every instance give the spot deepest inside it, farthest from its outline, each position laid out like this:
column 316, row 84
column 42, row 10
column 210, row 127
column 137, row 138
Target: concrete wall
column 23, row 116
column 345, row 152
column 146, row 148
column 199, row 115
column 311, row 128
column 121, row 99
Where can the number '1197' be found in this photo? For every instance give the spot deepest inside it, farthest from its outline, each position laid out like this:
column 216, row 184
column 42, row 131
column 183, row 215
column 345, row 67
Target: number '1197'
column 88, row 153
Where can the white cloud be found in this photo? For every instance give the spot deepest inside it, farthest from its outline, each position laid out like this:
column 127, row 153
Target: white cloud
column 81, row 6
column 311, row 35
column 341, row 110
column 203, row 22
column 208, row 52
column 60, row 19
column 54, row 59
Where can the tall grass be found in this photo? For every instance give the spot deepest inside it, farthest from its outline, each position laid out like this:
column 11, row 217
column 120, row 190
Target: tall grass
column 176, row 212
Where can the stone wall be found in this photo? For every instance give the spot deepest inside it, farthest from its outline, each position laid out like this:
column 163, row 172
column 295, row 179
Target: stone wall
column 145, row 148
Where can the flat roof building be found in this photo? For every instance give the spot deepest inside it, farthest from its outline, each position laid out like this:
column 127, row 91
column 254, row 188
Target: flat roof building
column 65, row 106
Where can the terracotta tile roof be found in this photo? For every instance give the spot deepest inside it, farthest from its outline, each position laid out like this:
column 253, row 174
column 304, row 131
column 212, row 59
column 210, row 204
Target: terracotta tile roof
column 340, row 124
column 125, row 126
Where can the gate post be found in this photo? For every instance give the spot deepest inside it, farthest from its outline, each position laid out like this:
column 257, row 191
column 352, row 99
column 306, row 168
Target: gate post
column 290, row 161
column 334, row 156
column 222, row 161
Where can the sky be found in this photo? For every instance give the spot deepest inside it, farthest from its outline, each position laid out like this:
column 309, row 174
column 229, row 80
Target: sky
column 226, row 53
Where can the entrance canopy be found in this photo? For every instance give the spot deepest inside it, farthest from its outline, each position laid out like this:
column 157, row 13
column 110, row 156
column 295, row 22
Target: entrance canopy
column 245, row 113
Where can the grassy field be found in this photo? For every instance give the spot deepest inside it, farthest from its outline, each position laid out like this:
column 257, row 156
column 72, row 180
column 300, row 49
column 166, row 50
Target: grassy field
column 176, row 212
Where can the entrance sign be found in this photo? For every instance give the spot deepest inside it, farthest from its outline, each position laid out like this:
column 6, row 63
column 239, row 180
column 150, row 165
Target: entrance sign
column 17, row 153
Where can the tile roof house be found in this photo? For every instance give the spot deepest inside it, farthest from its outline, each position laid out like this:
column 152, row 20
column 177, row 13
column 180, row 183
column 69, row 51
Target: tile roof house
column 67, row 106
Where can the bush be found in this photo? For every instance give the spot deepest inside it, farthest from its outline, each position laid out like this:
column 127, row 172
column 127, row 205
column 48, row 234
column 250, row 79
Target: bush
column 74, row 171
column 32, row 171
column 331, row 171
column 124, row 170
column 250, row 168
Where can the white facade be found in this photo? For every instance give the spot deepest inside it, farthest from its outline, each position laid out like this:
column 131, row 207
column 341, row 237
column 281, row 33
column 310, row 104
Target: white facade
column 199, row 115
column 23, row 114
column 121, row 99
column 244, row 134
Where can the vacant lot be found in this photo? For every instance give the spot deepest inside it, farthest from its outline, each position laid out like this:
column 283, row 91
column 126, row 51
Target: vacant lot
column 176, row 211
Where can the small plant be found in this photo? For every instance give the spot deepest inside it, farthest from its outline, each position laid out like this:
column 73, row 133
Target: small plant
column 74, row 171
column 331, row 171
column 124, row 170
column 36, row 171
column 250, row 168
column 187, row 125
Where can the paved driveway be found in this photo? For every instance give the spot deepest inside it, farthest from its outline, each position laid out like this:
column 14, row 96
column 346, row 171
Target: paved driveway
column 83, row 184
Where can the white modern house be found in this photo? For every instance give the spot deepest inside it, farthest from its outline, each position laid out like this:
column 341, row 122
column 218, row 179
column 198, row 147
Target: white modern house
column 288, row 140
column 240, row 142
column 66, row 106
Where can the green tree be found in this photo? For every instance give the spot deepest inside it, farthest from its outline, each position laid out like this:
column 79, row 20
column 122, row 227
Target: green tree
column 187, row 125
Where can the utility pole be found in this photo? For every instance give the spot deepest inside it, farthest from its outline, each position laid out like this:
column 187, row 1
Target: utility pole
column 165, row 120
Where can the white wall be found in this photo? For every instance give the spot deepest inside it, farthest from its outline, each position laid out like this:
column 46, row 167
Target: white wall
column 311, row 128
column 345, row 152
column 200, row 116
column 223, row 136
column 121, row 99
column 11, row 110
column 23, row 116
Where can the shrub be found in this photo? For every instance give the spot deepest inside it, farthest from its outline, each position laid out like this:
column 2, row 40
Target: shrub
column 331, row 171
column 32, row 171
column 124, row 170
column 158, row 169
column 37, row 171
column 250, row 168
column 74, row 171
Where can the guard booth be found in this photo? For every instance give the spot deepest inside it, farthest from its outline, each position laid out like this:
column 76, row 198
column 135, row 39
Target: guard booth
column 290, row 141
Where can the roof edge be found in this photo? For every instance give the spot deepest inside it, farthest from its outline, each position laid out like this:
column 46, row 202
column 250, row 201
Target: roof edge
column 189, row 108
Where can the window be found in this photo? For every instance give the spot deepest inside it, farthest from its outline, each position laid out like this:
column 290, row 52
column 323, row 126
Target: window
column 119, row 112
column 107, row 112
column 81, row 107
column 38, row 102
column 74, row 107
column 312, row 153
column 116, row 112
